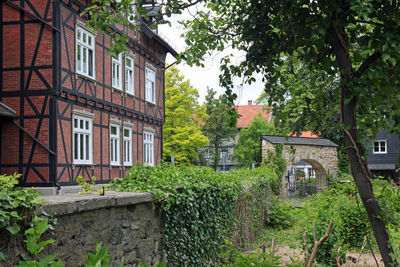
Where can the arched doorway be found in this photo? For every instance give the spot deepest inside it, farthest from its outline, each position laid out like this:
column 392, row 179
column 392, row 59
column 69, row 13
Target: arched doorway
column 320, row 153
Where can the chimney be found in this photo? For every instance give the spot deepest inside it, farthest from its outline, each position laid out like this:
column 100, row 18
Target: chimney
column 249, row 102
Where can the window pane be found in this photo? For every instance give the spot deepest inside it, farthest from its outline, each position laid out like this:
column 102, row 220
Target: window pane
column 84, row 60
column 78, row 61
column 113, row 130
column 116, row 150
column 90, row 63
column 75, row 123
column 126, row 132
column 87, row 125
column 112, row 150
column 84, row 37
column 89, row 40
column 87, row 147
column 81, row 124
column 76, row 146
column 79, row 35
column 81, row 149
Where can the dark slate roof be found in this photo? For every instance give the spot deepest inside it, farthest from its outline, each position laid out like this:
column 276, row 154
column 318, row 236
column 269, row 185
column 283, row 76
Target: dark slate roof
column 273, row 139
column 6, row 111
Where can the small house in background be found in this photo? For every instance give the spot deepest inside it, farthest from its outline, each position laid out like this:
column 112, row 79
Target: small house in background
column 70, row 109
column 246, row 115
column 383, row 156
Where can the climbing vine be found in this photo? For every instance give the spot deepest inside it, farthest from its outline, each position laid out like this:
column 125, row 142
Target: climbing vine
column 202, row 208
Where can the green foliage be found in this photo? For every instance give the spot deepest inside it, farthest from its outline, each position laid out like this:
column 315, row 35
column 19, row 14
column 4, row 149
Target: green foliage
column 248, row 148
column 198, row 206
column 338, row 204
column 220, row 124
column 35, row 246
column 182, row 135
column 279, row 214
column 275, row 160
column 388, row 196
column 233, row 258
column 86, row 187
column 16, row 208
column 101, row 258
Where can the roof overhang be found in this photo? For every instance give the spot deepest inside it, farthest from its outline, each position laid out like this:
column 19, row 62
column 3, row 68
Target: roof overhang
column 152, row 35
column 6, row 111
column 381, row 167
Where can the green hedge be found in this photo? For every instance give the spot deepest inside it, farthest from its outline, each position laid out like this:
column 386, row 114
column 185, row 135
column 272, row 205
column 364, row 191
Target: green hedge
column 201, row 208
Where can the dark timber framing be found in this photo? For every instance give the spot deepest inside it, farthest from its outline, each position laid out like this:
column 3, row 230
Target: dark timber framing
column 44, row 112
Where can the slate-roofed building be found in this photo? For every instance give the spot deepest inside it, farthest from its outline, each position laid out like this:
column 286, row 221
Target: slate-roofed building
column 383, row 156
column 78, row 111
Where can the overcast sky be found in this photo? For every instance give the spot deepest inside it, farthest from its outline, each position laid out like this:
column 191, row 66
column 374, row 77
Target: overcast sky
column 201, row 78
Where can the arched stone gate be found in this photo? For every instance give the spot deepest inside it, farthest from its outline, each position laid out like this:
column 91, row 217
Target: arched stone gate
column 320, row 153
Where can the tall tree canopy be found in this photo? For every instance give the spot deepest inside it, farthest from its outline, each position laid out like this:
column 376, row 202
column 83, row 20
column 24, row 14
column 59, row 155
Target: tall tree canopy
column 356, row 41
column 220, row 123
column 182, row 136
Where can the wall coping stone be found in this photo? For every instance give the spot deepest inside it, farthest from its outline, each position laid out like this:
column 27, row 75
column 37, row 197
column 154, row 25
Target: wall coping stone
column 65, row 204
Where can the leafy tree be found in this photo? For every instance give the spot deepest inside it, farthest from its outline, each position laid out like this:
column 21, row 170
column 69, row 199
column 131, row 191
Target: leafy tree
column 248, row 148
column 309, row 92
column 355, row 41
column 220, row 124
column 182, row 135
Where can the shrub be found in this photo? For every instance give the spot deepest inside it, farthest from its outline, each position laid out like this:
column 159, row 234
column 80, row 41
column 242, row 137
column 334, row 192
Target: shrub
column 339, row 204
column 279, row 214
column 200, row 207
column 16, row 210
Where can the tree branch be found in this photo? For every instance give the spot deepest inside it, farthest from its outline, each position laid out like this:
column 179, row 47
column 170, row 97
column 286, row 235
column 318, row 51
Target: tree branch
column 366, row 64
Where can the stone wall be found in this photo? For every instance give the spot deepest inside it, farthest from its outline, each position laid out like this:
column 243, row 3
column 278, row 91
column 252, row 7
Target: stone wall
column 127, row 223
column 323, row 159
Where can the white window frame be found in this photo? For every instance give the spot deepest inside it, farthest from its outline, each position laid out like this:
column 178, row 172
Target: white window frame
column 85, row 46
column 131, row 15
column 116, row 72
column 150, row 84
column 82, row 137
column 127, row 145
column 380, row 150
column 148, row 146
column 115, row 150
column 130, row 75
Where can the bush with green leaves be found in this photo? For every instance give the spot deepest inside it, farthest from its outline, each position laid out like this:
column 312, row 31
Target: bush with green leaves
column 340, row 205
column 199, row 206
column 16, row 210
column 279, row 214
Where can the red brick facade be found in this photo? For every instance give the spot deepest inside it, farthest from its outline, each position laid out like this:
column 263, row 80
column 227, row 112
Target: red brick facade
column 39, row 80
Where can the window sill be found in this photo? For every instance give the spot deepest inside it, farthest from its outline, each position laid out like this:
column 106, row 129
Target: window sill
column 83, row 76
column 150, row 103
column 117, row 89
column 78, row 164
column 379, row 153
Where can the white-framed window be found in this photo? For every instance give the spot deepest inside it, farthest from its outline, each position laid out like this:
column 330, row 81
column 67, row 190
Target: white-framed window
column 127, row 152
column 116, row 72
column 85, row 52
column 129, row 75
column 380, row 147
column 150, row 85
column 148, row 147
column 114, row 144
column 82, row 136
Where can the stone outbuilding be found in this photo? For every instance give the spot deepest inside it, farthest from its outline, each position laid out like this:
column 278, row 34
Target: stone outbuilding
column 320, row 153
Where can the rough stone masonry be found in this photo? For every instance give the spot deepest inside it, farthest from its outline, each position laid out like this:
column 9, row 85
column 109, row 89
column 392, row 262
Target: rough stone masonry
column 128, row 223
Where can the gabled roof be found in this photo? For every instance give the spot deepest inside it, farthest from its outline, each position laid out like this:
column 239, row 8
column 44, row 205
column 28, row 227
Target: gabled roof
column 273, row 139
column 248, row 112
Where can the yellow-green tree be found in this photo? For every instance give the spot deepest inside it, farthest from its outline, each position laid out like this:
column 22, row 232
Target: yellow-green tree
column 182, row 135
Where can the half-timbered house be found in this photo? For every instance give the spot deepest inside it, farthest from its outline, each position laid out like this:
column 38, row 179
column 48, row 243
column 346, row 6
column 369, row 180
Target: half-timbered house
column 68, row 108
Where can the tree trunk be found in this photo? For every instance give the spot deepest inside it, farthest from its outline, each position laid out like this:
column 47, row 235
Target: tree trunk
column 360, row 172
column 355, row 151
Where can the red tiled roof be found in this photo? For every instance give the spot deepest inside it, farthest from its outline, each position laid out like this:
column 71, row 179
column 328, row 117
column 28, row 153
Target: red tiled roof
column 307, row 134
column 248, row 112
